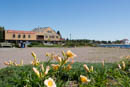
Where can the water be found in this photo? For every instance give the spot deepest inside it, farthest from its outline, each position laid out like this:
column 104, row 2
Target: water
column 115, row 45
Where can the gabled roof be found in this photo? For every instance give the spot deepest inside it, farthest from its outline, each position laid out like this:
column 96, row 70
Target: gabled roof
column 42, row 29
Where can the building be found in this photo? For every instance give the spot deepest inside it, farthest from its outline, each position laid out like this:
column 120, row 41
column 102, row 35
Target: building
column 44, row 35
column 17, row 36
column 125, row 41
column 1, row 34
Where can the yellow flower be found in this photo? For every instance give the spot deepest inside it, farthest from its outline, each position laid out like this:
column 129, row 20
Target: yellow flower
column 58, row 58
column 127, row 57
column 36, row 71
column 15, row 64
column 34, row 55
column 86, row 68
column 6, row 63
column 10, row 62
column 123, row 65
column 47, row 69
column 49, row 82
column 35, row 62
column 70, row 54
column 69, row 67
column 84, row 79
column 47, row 54
column 55, row 66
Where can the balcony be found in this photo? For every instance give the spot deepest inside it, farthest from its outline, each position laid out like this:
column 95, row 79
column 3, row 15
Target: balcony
column 40, row 37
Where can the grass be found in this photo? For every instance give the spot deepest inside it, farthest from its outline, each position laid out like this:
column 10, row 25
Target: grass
column 109, row 76
column 66, row 74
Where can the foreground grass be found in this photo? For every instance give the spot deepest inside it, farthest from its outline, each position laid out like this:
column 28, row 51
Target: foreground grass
column 65, row 74
column 108, row 76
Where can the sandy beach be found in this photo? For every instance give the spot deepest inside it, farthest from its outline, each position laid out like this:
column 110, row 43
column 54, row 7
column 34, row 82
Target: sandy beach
column 84, row 54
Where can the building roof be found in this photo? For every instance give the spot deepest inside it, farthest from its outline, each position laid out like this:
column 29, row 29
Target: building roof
column 41, row 29
column 20, row 32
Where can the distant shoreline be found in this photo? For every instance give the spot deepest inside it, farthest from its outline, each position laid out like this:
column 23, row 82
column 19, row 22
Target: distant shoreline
column 115, row 45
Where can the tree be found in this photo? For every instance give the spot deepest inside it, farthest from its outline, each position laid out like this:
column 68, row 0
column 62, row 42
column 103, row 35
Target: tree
column 117, row 42
column 104, row 42
column 2, row 30
column 109, row 42
column 58, row 32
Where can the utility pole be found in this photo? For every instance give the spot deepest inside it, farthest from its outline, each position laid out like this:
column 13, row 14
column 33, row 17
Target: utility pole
column 70, row 36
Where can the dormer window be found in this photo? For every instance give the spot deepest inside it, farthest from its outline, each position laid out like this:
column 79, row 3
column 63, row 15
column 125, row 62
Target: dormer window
column 49, row 31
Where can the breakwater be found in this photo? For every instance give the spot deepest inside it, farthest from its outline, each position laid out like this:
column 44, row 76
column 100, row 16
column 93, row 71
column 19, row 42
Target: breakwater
column 114, row 45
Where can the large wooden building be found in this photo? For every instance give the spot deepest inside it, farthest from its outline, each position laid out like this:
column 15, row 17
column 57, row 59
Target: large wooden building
column 13, row 35
column 44, row 35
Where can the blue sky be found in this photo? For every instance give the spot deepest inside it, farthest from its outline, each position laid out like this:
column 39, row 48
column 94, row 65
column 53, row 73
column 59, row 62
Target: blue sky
column 84, row 19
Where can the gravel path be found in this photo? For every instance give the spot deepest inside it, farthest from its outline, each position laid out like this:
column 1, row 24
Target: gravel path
column 84, row 54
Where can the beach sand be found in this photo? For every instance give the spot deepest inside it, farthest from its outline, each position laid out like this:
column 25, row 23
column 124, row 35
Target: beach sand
column 84, row 54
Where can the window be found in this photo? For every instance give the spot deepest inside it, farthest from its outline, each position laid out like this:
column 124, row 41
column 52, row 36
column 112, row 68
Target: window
column 40, row 37
column 19, row 36
column 13, row 35
column 24, row 36
column 29, row 36
column 46, row 36
column 53, row 36
column 57, row 37
column 49, row 31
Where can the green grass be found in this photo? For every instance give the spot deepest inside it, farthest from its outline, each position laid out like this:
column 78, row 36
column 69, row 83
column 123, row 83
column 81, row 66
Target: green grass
column 108, row 76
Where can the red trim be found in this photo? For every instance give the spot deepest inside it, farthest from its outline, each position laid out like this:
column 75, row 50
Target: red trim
column 20, row 32
column 62, row 39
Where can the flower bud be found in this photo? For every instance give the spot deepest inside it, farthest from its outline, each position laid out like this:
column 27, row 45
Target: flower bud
column 42, row 68
column 55, row 66
column 119, row 66
column 34, row 55
column 59, row 59
column 91, row 69
column 47, row 69
column 123, row 65
column 36, row 71
column 6, row 63
column 103, row 63
column 86, row 68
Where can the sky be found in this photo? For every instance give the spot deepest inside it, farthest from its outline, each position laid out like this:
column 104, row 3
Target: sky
column 83, row 19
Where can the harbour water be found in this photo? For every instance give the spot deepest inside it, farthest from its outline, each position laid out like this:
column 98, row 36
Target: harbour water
column 115, row 45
